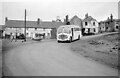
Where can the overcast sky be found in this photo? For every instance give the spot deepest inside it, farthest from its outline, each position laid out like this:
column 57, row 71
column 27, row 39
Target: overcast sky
column 48, row 10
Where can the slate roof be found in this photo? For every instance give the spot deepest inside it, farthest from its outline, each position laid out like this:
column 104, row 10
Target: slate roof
column 117, row 20
column 32, row 24
column 2, row 27
column 51, row 24
column 75, row 17
column 89, row 18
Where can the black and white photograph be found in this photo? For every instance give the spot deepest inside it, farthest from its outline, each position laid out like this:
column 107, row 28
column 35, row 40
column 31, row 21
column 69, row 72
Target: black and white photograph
column 59, row 38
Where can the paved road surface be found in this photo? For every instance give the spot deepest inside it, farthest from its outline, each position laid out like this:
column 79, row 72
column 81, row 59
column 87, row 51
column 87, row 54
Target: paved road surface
column 0, row 58
column 52, row 59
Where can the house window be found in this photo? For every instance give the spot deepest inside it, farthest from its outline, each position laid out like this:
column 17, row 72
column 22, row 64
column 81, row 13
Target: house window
column 35, row 28
column 94, row 30
column 116, row 27
column 93, row 23
column 10, row 33
column 26, row 33
column 99, row 23
column 106, row 27
column 86, row 23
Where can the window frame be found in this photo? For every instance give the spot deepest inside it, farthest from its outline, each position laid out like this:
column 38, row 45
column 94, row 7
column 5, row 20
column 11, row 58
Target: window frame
column 35, row 28
column 93, row 23
column 86, row 23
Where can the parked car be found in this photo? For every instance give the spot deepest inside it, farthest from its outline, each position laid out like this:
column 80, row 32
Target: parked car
column 37, row 36
column 21, row 36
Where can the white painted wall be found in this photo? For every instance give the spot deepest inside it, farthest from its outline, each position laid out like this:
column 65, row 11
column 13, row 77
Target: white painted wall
column 90, row 25
column 29, row 31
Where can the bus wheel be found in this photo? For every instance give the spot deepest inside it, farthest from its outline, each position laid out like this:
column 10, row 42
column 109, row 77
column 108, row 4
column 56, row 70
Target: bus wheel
column 58, row 41
column 70, row 40
column 79, row 37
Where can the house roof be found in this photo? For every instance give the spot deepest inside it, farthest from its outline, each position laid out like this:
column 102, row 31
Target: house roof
column 75, row 17
column 32, row 24
column 2, row 27
column 117, row 20
column 89, row 18
column 50, row 24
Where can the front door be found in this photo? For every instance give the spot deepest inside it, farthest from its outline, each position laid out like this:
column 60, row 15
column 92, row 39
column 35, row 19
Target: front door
column 53, row 33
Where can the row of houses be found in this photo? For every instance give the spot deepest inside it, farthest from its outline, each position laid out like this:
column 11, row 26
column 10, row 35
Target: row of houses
column 109, row 25
column 88, row 25
column 32, row 27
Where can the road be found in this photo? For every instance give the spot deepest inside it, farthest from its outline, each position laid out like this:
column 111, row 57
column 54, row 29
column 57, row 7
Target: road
column 0, row 58
column 52, row 59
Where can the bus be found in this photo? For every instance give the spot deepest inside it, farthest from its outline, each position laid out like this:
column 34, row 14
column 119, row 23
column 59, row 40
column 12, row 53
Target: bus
column 68, row 33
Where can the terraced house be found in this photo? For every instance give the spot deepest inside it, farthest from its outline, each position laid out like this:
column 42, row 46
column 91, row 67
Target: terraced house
column 32, row 27
column 90, row 25
column 75, row 20
column 109, row 25
column 102, row 27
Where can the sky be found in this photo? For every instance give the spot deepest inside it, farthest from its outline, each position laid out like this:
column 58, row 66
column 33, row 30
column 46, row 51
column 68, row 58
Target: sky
column 48, row 10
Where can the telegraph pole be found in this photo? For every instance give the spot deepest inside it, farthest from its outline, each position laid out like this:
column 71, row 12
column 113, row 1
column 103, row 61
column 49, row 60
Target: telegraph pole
column 25, row 26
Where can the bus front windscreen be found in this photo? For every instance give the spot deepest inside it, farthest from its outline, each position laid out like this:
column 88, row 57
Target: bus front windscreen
column 66, row 31
column 63, row 30
column 60, row 30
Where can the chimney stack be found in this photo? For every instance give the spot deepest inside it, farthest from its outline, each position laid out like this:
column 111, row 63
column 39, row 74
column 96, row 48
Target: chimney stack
column 86, row 15
column 6, row 19
column 111, row 17
column 38, row 21
column 66, row 18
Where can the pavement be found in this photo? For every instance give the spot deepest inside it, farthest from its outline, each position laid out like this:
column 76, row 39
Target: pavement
column 97, row 35
column 51, row 59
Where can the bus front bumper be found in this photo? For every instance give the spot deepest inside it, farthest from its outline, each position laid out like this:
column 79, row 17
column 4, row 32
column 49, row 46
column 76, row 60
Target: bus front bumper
column 67, row 39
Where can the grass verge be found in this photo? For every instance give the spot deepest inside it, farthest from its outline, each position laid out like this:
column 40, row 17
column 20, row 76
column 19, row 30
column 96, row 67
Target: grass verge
column 103, row 49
